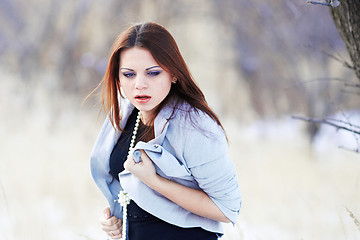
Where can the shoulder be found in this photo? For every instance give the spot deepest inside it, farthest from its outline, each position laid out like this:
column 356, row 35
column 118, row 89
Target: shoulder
column 202, row 138
column 183, row 122
column 196, row 121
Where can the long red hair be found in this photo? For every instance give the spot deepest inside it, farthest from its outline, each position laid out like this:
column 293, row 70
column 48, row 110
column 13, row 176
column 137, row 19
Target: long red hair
column 165, row 51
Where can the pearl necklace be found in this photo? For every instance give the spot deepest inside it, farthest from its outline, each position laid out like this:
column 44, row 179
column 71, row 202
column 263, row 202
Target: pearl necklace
column 124, row 198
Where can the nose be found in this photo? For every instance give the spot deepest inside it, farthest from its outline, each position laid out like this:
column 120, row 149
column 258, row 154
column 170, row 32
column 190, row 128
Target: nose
column 141, row 82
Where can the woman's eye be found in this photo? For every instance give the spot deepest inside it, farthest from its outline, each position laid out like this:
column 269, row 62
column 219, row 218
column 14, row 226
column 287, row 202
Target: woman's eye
column 153, row 73
column 128, row 74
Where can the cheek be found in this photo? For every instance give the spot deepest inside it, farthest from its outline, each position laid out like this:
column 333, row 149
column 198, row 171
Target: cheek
column 166, row 89
column 125, row 88
column 125, row 84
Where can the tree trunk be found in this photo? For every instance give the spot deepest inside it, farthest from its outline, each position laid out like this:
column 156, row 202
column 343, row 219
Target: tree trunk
column 347, row 20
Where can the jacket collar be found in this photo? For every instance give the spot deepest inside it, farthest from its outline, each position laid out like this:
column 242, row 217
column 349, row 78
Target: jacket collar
column 161, row 122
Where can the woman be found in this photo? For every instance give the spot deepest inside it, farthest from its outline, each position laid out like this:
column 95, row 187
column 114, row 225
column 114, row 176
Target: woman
column 180, row 179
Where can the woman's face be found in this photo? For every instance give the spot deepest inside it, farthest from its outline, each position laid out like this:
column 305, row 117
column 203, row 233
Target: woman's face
column 142, row 80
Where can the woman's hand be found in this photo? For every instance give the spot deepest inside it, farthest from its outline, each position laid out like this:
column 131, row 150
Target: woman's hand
column 144, row 170
column 193, row 200
column 111, row 225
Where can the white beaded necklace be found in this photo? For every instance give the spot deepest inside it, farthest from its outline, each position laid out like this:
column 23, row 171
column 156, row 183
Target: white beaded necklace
column 124, row 198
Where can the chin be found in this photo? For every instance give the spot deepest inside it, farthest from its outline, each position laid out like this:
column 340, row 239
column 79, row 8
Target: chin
column 144, row 108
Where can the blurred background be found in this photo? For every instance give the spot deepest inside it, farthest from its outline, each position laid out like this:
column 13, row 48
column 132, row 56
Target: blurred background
column 258, row 62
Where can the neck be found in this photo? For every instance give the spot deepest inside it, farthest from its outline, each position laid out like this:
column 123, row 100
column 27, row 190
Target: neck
column 146, row 117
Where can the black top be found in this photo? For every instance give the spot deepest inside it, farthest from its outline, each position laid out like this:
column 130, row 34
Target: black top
column 143, row 225
column 119, row 155
column 121, row 149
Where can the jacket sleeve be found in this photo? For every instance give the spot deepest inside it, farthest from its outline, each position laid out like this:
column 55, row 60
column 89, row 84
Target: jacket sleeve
column 206, row 155
column 99, row 166
column 165, row 162
column 205, row 160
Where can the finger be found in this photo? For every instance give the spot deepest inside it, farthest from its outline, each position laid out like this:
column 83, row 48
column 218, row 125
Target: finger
column 127, row 164
column 106, row 213
column 107, row 222
column 109, row 228
column 144, row 156
column 117, row 234
column 111, row 224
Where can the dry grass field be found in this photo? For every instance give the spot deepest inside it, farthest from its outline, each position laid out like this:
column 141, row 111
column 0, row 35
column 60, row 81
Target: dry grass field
column 46, row 191
column 252, row 58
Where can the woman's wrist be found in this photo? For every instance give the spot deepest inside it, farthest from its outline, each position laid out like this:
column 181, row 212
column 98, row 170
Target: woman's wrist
column 154, row 182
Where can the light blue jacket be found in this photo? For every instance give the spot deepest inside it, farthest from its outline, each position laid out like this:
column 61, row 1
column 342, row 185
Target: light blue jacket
column 181, row 152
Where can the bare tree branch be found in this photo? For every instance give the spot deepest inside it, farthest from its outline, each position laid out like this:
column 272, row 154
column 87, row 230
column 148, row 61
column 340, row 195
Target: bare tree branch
column 343, row 61
column 352, row 85
column 357, row 150
column 356, row 220
column 337, row 124
column 331, row 79
column 327, row 122
column 350, row 92
column 343, row 122
column 340, row 59
column 320, row 3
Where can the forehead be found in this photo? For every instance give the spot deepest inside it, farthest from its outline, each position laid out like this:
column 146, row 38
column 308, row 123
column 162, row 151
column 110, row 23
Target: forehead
column 136, row 57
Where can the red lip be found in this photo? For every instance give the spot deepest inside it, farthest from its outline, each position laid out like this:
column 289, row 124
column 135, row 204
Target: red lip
column 142, row 98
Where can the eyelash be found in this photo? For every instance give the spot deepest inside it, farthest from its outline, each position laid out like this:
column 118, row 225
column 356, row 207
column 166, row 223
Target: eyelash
column 150, row 73
column 128, row 75
column 153, row 73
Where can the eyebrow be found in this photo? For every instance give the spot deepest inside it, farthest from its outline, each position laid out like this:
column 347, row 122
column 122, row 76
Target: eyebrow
column 129, row 69
column 126, row 69
column 151, row 67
